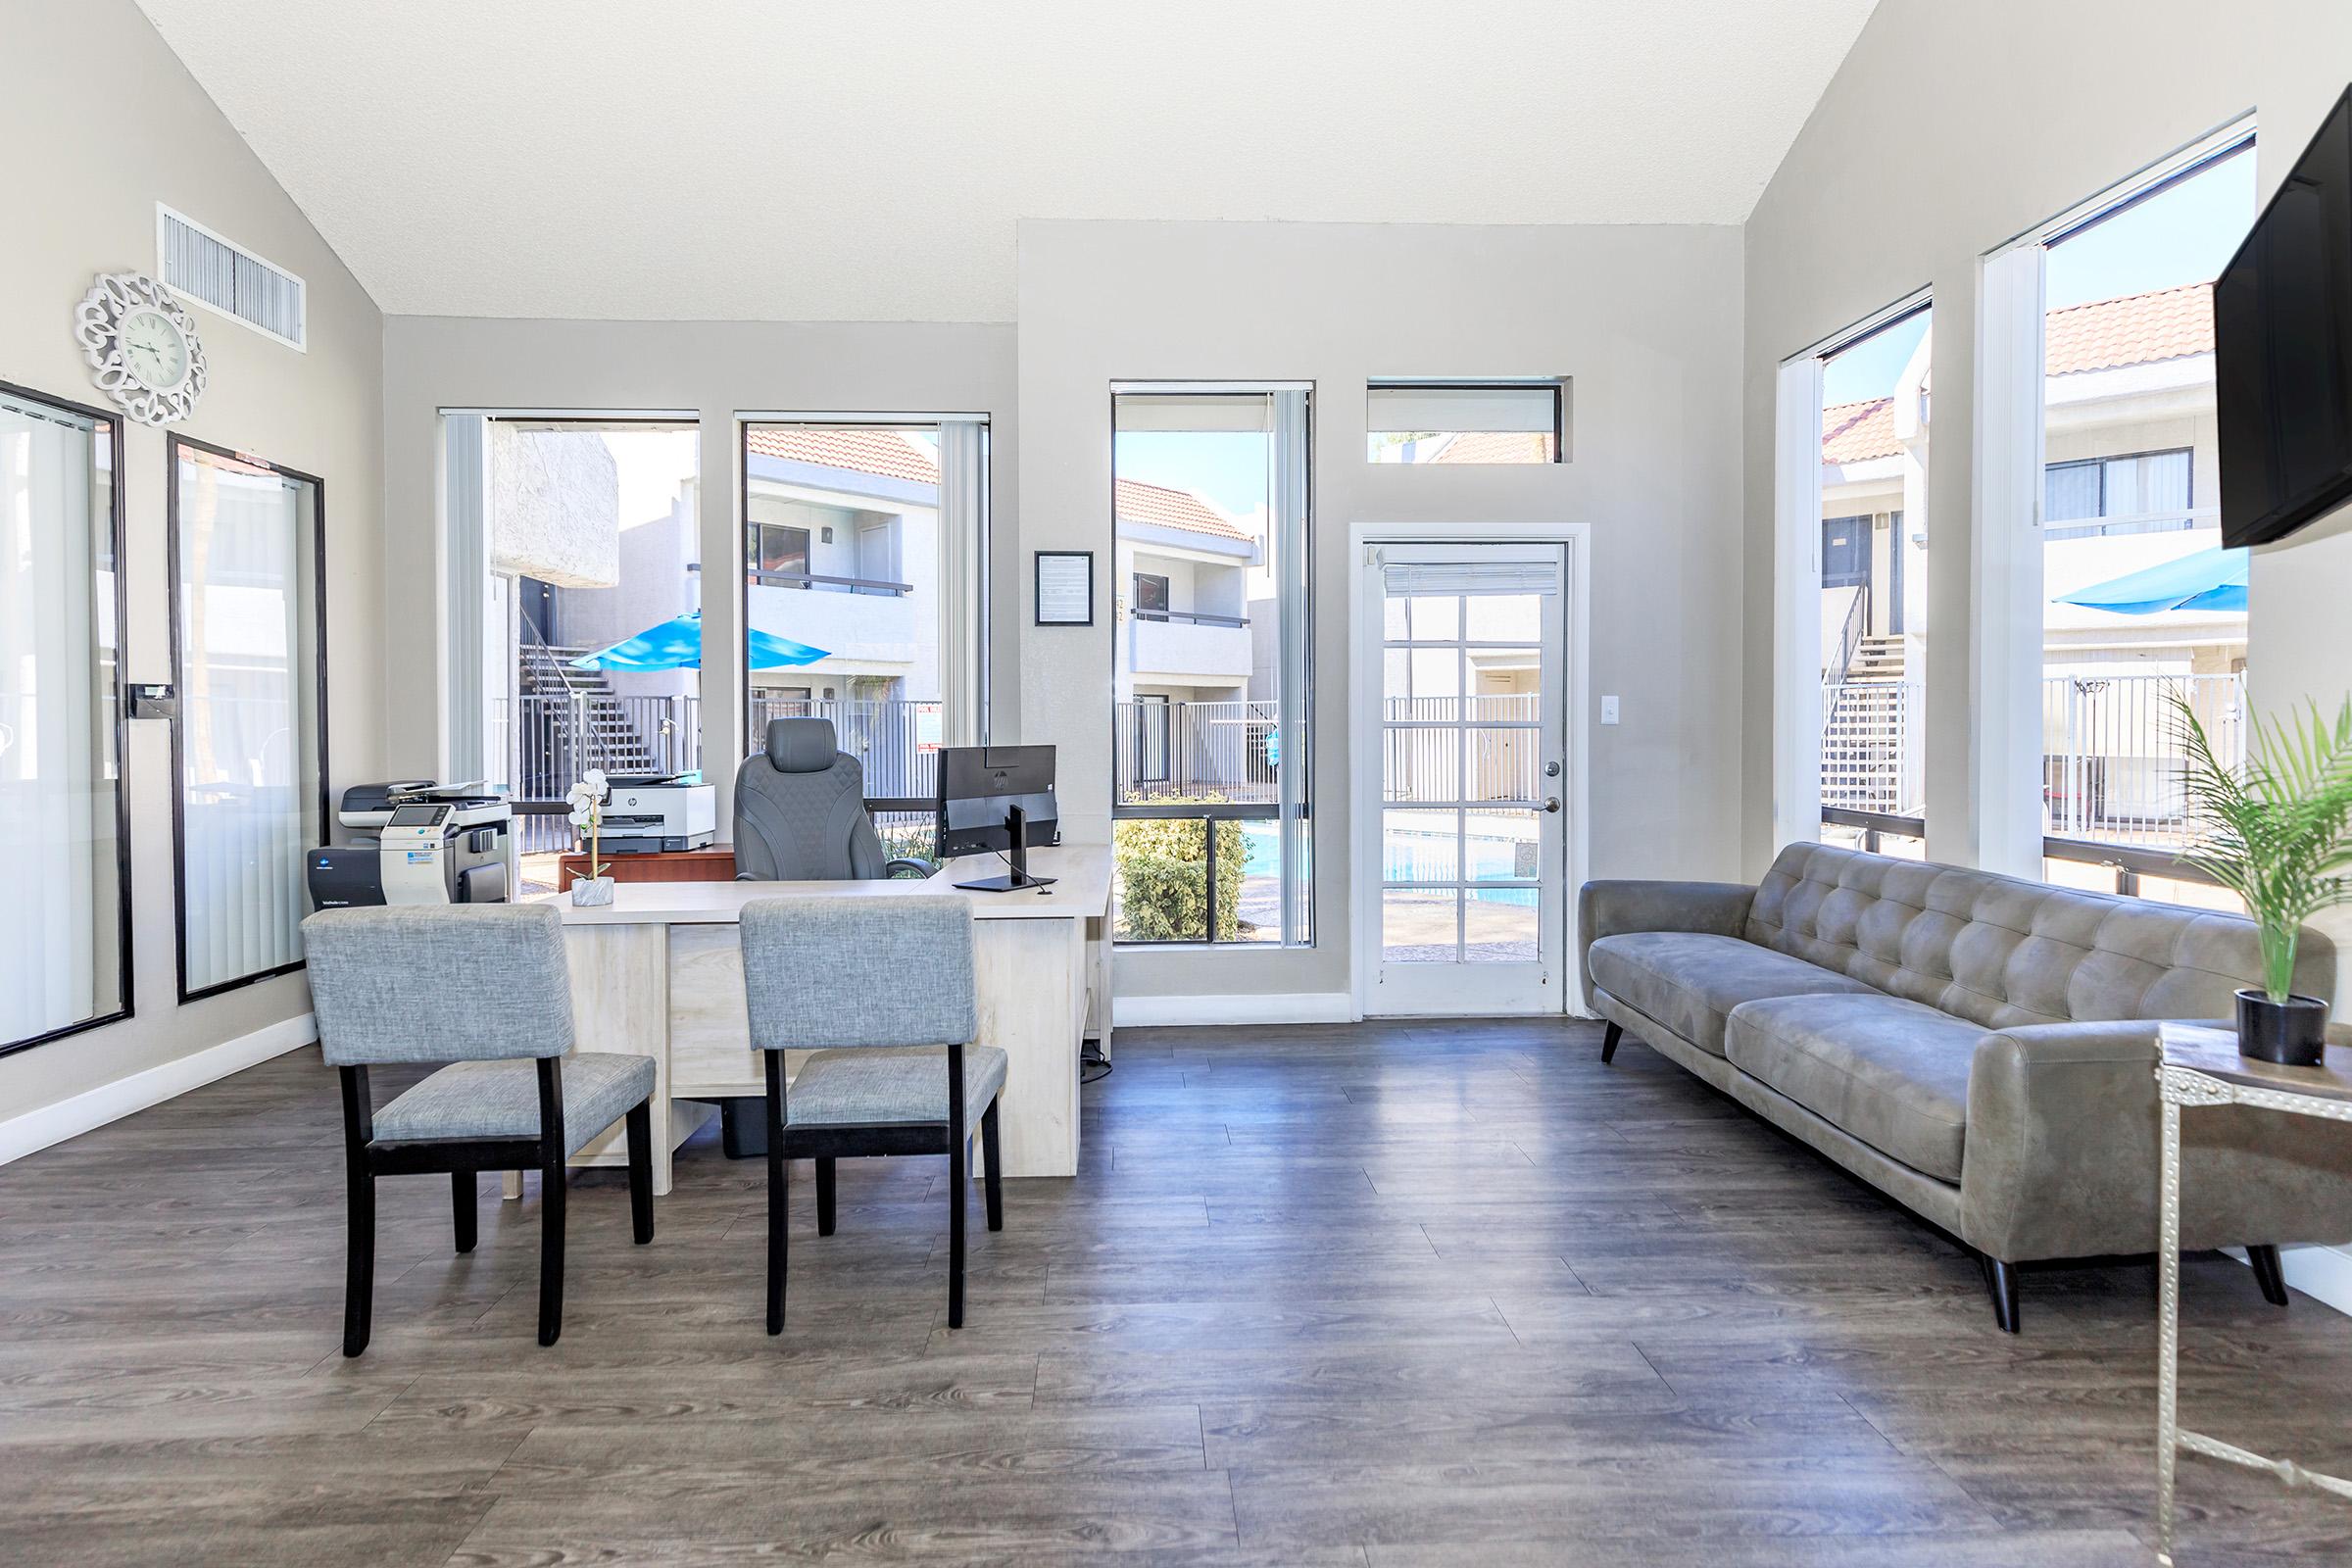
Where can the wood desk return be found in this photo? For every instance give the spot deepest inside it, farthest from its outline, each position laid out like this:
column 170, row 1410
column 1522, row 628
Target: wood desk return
column 658, row 972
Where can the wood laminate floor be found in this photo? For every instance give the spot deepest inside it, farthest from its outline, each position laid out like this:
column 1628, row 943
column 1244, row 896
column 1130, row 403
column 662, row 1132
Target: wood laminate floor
column 1390, row 1296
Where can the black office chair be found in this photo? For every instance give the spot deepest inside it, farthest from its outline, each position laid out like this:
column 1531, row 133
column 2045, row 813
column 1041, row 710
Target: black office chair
column 799, row 816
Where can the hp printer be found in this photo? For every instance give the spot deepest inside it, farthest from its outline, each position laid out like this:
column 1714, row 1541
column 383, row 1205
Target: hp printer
column 647, row 816
column 417, row 843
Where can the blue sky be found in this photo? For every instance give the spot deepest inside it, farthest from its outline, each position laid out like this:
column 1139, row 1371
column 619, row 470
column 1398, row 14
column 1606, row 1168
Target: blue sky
column 2183, row 236
column 1227, row 467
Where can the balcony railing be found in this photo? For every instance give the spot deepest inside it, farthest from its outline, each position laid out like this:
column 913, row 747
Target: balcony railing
column 823, row 582
column 1189, row 617
column 1174, row 751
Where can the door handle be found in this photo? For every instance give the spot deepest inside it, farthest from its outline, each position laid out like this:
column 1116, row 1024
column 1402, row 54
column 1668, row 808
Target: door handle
column 1551, row 803
column 1551, row 770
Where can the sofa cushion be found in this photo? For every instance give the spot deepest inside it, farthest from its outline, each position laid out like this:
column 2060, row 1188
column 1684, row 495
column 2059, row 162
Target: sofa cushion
column 1889, row 1072
column 1689, row 982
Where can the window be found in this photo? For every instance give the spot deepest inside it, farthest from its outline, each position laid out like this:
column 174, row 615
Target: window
column 64, row 953
column 1465, row 422
column 250, row 748
column 2130, row 488
column 863, row 590
column 577, row 546
column 1874, row 461
column 1210, row 711
column 2146, row 493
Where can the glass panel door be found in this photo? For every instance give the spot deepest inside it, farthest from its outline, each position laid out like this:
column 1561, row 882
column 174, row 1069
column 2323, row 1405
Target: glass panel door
column 1469, row 854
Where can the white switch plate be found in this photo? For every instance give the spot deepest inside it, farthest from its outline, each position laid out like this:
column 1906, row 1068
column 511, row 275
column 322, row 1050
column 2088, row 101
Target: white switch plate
column 1608, row 710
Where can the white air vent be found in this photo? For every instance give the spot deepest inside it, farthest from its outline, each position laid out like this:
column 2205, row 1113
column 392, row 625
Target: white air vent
column 201, row 266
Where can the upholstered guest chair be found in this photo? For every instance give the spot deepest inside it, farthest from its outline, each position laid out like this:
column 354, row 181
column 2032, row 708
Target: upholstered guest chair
column 485, row 988
column 879, row 990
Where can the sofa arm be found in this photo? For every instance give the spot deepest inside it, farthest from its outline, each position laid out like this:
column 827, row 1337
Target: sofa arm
column 2061, row 1153
column 1605, row 909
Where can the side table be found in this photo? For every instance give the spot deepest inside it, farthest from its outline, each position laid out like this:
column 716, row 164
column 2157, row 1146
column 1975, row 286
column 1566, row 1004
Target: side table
column 2198, row 1066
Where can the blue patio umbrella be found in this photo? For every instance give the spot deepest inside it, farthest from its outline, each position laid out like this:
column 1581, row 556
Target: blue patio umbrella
column 678, row 644
column 2206, row 579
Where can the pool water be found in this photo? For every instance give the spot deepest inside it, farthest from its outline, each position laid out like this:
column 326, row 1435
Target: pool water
column 1405, row 857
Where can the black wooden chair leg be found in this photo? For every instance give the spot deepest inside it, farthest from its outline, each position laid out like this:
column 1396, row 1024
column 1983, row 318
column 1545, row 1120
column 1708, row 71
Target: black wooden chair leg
column 994, row 1153
column 2270, row 1271
column 461, row 1208
column 959, row 1180
column 359, row 1280
column 824, row 1197
column 1608, row 1044
column 641, row 1172
column 2000, row 1281
column 552, row 1185
column 777, row 1194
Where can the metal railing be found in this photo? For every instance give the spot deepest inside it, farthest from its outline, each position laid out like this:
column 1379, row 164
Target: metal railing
column 1189, row 617
column 821, row 580
column 1869, row 747
column 1175, row 749
column 2111, row 746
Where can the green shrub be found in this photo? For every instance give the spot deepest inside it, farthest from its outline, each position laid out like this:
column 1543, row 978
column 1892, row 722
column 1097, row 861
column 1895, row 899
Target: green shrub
column 1163, row 879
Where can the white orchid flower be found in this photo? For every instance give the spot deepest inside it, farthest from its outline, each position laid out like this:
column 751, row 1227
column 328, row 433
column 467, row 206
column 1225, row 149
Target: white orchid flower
column 594, row 781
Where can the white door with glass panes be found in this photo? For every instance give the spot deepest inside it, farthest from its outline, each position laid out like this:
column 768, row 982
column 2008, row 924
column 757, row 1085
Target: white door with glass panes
column 1464, row 871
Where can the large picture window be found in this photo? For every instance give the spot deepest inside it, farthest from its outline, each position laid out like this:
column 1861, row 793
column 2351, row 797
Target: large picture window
column 1211, row 818
column 250, row 748
column 65, row 944
column 864, row 551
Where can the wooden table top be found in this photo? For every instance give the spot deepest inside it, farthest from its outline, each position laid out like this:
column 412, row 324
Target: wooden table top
column 1082, row 891
column 2214, row 1052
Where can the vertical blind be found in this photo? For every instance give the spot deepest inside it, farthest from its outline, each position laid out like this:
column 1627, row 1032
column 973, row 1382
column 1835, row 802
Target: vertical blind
column 60, row 934
column 249, row 725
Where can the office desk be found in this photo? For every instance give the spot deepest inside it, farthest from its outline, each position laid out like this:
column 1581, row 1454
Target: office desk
column 658, row 972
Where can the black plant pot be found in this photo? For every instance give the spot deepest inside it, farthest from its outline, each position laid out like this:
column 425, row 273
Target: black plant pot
column 2292, row 1033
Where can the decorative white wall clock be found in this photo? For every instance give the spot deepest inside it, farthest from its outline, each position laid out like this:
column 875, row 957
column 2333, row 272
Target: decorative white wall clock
column 142, row 347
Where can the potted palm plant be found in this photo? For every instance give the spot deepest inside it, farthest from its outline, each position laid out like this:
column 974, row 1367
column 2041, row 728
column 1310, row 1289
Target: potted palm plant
column 2276, row 830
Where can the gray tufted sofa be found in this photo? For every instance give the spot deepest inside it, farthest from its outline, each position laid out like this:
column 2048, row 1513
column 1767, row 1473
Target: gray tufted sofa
column 1980, row 1048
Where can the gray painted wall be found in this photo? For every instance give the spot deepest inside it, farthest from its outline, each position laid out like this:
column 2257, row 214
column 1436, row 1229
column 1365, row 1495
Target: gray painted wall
column 92, row 151
column 712, row 370
column 1646, row 320
column 1949, row 129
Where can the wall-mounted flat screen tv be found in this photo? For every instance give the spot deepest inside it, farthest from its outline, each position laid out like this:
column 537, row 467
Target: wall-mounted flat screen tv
column 2283, row 349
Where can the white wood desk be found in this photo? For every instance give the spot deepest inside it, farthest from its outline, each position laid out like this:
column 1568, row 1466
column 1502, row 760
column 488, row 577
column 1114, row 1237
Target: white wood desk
column 658, row 972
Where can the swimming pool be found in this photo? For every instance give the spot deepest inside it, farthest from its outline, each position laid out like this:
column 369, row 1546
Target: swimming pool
column 1408, row 857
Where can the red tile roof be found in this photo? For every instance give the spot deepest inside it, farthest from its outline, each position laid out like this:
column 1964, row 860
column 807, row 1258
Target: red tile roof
column 889, row 454
column 1159, row 507
column 2169, row 323
column 1854, row 432
column 2136, row 329
column 1496, row 446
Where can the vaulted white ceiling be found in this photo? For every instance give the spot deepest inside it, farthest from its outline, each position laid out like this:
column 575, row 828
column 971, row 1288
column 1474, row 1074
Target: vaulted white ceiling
column 868, row 158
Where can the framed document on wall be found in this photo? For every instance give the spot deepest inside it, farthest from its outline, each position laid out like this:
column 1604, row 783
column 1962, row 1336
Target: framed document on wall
column 1065, row 587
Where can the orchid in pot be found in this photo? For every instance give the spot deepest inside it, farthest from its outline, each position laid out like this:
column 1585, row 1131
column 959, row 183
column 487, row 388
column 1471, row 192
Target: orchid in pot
column 2276, row 831
column 587, row 800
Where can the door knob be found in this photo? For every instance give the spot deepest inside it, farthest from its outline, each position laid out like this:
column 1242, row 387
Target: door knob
column 1551, row 803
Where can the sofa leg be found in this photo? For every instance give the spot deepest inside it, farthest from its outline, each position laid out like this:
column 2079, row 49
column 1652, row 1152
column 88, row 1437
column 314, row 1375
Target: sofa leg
column 2000, row 1281
column 1608, row 1044
column 2270, row 1272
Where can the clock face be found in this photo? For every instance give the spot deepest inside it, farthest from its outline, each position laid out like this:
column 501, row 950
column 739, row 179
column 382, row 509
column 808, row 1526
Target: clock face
column 142, row 347
column 155, row 350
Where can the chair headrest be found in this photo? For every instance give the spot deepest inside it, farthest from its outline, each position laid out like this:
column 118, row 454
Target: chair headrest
column 801, row 745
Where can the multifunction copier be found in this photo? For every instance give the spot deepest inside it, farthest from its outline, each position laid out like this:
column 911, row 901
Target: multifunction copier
column 416, row 841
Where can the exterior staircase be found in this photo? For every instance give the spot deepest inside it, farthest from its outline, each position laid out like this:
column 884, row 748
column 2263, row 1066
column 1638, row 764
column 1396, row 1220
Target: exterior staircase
column 584, row 722
column 1876, row 660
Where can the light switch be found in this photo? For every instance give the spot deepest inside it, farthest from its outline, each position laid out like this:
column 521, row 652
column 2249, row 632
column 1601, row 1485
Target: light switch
column 1608, row 710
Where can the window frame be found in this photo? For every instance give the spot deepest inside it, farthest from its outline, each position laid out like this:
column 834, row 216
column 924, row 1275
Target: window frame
column 118, row 522
column 173, row 443
column 1553, row 386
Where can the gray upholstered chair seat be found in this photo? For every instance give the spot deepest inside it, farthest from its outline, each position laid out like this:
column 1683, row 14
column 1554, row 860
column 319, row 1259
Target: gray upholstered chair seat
column 1889, row 1072
column 1691, row 980
column 884, row 1086
column 501, row 1100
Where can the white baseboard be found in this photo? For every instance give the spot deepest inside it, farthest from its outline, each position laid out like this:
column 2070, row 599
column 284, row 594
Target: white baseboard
column 1301, row 1007
column 92, row 1108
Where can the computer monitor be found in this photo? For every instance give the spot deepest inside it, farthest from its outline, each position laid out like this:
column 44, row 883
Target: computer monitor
column 997, row 797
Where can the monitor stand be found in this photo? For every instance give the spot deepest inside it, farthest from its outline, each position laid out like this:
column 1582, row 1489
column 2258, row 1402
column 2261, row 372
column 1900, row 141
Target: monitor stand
column 1016, row 824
